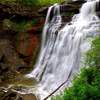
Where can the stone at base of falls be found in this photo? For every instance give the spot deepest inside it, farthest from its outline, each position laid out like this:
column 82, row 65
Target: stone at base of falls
column 10, row 95
column 29, row 97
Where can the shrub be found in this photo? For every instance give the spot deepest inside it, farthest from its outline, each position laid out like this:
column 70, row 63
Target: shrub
column 93, row 56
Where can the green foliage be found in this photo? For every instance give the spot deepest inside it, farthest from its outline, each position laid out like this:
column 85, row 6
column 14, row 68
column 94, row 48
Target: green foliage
column 28, row 2
column 48, row 2
column 23, row 26
column 87, row 85
column 39, row 2
column 93, row 56
column 19, row 26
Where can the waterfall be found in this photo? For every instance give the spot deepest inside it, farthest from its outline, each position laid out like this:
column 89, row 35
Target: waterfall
column 62, row 47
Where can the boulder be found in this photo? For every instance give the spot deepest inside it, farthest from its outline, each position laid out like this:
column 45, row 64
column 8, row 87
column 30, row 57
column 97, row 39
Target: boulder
column 29, row 97
column 11, row 95
column 10, row 62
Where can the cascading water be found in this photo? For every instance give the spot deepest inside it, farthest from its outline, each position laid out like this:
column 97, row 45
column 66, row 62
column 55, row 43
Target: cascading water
column 48, row 40
column 61, row 52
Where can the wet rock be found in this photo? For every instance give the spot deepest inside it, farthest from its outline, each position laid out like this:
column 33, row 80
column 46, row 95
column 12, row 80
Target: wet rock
column 29, row 97
column 3, row 67
column 27, row 46
column 17, row 9
column 11, row 95
column 1, row 55
column 10, row 56
column 10, row 63
column 17, row 55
